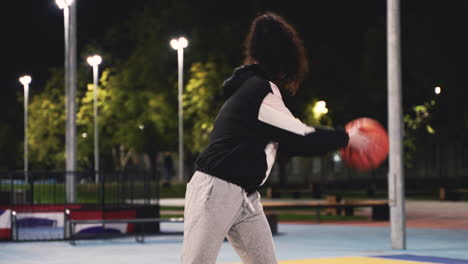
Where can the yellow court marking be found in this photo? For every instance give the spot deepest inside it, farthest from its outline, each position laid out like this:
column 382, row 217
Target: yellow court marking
column 349, row 260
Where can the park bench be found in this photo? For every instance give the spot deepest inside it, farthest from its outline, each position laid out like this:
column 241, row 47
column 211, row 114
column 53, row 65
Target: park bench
column 451, row 194
column 380, row 208
column 139, row 236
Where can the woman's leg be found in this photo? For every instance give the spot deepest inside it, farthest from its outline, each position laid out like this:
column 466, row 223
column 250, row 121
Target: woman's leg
column 251, row 236
column 211, row 207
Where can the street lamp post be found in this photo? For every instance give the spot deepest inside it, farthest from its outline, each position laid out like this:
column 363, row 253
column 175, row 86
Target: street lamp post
column 69, row 15
column 25, row 81
column 179, row 45
column 94, row 61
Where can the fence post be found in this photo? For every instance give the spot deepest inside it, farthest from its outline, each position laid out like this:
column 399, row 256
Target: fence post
column 158, row 189
column 14, row 228
column 101, row 189
column 121, row 187
column 147, row 182
column 12, row 191
column 132, row 186
column 66, row 224
column 31, row 192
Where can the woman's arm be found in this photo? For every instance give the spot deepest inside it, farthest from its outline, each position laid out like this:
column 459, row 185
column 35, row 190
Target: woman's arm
column 293, row 136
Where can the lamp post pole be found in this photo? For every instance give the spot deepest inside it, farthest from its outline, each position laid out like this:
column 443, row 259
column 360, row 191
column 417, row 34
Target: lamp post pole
column 25, row 81
column 94, row 61
column 179, row 45
column 69, row 15
column 395, row 128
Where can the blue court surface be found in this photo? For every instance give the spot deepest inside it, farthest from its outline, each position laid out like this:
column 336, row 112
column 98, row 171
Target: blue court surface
column 296, row 244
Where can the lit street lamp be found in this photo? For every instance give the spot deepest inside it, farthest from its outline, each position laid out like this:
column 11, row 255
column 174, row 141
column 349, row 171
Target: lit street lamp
column 179, row 45
column 63, row 4
column 437, row 90
column 319, row 109
column 94, row 61
column 69, row 15
column 25, row 81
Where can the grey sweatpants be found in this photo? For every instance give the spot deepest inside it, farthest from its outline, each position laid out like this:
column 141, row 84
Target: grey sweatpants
column 215, row 209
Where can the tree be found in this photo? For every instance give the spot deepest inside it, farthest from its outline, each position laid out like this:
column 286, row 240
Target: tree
column 202, row 100
column 46, row 125
column 417, row 122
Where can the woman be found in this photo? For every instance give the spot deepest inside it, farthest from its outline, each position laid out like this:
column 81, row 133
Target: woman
column 222, row 199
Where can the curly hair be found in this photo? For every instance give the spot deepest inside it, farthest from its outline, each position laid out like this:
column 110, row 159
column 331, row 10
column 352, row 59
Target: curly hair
column 276, row 46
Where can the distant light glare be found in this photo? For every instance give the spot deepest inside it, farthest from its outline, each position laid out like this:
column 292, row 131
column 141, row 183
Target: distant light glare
column 25, row 80
column 322, row 107
column 13, row 213
column 63, row 3
column 336, row 157
column 84, row 135
column 141, row 126
column 181, row 43
column 94, row 60
column 174, row 44
column 67, row 211
column 319, row 109
column 437, row 90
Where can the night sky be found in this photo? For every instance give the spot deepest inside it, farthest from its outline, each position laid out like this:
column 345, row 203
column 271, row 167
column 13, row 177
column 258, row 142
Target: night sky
column 38, row 24
column 39, row 33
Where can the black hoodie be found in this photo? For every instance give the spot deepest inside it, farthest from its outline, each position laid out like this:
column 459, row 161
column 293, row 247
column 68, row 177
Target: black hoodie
column 248, row 130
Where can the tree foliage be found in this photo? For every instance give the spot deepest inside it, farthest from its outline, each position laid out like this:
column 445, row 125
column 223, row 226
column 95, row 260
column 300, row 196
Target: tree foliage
column 417, row 122
column 46, row 125
column 202, row 101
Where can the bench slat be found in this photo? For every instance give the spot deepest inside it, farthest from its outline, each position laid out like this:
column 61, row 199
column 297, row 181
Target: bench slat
column 139, row 239
column 140, row 220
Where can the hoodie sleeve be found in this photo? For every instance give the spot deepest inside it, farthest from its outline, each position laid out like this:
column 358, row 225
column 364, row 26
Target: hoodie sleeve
column 293, row 136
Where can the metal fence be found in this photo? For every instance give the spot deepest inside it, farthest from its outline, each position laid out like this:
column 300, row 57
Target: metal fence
column 33, row 205
column 48, row 187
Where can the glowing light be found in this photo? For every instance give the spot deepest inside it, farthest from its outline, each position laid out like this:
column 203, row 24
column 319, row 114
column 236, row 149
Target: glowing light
column 183, row 42
column 84, row 135
column 180, row 43
column 25, row 80
column 174, row 44
column 94, row 60
column 319, row 109
column 437, row 90
column 141, row 126
column 67, row 211
column 63, row 3
column 13, row 213
column 336, row 157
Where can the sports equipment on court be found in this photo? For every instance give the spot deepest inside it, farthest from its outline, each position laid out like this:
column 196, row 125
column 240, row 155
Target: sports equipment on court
column 368, row 144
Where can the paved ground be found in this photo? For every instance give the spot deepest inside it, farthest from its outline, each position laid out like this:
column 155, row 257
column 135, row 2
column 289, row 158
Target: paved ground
column 436, row 231
column 297, row 243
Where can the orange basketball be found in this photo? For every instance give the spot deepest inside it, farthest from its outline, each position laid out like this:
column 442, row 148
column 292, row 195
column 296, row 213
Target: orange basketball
column 370, row 147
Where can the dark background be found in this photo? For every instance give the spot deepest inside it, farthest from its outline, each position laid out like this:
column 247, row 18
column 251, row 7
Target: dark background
column 343, row 38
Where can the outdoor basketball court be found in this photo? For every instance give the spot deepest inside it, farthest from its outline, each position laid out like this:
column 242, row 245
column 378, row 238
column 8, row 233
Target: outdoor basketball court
column 296, row 243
